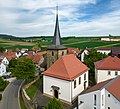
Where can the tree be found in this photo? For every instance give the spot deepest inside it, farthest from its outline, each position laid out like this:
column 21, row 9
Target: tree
column 3, row 84
column 89, row 60
column 12, row 63
column 24, row 69
column 54, row 104
column 2, row 49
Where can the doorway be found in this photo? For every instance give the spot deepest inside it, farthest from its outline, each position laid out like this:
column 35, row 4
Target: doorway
column 56, row 93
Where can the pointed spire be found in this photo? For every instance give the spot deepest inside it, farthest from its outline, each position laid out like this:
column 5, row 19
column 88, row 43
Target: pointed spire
column 57, row 36
column 56, row 44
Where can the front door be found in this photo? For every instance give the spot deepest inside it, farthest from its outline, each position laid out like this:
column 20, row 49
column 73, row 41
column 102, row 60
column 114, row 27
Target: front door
column 56, row 94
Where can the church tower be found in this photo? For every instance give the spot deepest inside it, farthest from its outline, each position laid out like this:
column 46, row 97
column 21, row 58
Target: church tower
column 55, row 50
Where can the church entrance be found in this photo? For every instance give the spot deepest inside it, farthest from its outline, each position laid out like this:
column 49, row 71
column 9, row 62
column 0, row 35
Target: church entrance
column 55, row 91
column 56, row 94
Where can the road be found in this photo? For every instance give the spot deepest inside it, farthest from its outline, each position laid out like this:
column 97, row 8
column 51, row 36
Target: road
column 10, row 96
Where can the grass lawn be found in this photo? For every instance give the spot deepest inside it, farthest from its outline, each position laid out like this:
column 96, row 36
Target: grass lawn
column 31, row 91
column 22, row 104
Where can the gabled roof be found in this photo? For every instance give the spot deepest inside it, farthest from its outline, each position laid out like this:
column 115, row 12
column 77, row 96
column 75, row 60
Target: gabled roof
column 103, row 48
column 112, row 86
column 115, row 51
column 109, row 63
column 73, row 50
column 96, row 87
column 67, row 67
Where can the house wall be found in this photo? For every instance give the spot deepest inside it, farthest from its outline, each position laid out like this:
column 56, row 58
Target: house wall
column 57, row 53
column 2, row 69
column 104, row 51
column 5, row 61
column 83, row 54
column 64, row 91
column 67, row 92
column 102, row 75
column 111, row 101
column 88, row 100
column 79, row 87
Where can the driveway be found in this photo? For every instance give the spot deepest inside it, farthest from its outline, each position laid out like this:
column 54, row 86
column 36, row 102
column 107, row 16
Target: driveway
column 10, row 96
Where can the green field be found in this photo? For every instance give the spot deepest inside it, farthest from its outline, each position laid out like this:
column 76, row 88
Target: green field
column 77, row 42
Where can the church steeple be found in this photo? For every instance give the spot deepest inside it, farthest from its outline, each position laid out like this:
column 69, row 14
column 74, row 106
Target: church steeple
column 56, row 50
column 56, row 43
column 57, row 36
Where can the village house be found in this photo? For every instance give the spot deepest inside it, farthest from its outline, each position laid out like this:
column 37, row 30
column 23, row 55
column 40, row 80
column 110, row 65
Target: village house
column 107, row 68
column 104, row 50
column 82, row 54
column 2, row 69
column 4, row 60
column 74, row 51
column 115, row 51
column 104, row 95
column 66, row 78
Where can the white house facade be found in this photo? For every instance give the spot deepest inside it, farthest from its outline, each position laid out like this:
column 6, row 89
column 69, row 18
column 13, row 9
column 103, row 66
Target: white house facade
column 5, row 61
column 104, row 50
column 101, row 96
column 65, row 79
column 2, row 69
column 83, row 53
column 107, row 68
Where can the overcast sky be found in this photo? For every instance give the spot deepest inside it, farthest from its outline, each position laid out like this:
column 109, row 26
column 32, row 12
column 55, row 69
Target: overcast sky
column 77, row 17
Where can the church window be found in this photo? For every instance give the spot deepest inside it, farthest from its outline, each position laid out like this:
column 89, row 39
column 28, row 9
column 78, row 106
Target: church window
column 74, row 83
column 52, row 53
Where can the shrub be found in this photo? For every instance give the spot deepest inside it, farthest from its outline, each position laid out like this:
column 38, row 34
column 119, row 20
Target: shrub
column 0, row 96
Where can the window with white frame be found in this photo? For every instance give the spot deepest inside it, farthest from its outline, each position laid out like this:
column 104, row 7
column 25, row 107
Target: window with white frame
column 74, row 83
column 109, row 73
column 116, row 73
column 95, row 99
column 102, row 100
column 85, row 76
column 79, row 80
column 108, row 95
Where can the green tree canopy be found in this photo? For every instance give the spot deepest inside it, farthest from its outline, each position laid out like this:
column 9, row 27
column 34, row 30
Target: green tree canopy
column 3, row 84
column 12, row 63
column 54, row 104
column 2, row 49
column 24, row 69
column 89, row 60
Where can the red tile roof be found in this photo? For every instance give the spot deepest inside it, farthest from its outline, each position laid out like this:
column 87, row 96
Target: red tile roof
column 73, row 50
column 103, row 48
column 67, row 67
column 109, row 63
column 114, row 88
column 96, row 87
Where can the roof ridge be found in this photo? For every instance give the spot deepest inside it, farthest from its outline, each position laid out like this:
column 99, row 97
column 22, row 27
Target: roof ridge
column 65, row 66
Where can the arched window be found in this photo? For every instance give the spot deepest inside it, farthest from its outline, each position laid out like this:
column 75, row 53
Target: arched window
column 52, row 53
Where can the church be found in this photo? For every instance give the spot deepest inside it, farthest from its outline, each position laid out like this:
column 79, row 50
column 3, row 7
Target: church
column 66, row 76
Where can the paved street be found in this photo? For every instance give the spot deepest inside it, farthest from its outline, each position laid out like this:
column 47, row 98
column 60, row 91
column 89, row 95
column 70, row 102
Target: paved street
column 10, row 96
